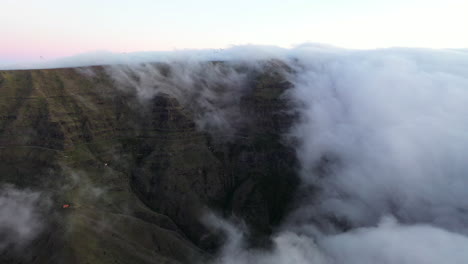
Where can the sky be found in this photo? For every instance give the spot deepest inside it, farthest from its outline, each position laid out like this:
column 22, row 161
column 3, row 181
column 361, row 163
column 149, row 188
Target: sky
column 48, row 29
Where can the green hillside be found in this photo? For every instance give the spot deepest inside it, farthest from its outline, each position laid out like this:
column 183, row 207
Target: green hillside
column 139, row 176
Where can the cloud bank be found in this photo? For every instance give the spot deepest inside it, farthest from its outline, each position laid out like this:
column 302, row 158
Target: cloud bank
column 382, row 141
column 235, row 53
column 211, row 90
column 392, row 125
column 389, row 242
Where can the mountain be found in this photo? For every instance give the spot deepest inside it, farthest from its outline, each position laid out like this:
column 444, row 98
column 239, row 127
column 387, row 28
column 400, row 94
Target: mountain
column 119, row 177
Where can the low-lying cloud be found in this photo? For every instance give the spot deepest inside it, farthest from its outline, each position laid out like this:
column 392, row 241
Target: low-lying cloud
column 21, row 216
column 394, row 126
column 382, row 136
column 382, row 139
column 211, row 90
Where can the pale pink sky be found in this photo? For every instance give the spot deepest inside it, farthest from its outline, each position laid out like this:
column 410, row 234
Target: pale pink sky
column 52, row 28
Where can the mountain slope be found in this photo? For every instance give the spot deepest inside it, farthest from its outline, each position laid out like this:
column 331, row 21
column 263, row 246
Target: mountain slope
column 140, row 175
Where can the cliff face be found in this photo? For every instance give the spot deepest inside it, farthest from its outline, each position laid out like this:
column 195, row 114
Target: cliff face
column 139, row 176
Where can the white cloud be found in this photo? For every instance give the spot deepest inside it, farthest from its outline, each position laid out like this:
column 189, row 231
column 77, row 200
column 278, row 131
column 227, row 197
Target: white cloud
column 392, row 124
column 20, row 216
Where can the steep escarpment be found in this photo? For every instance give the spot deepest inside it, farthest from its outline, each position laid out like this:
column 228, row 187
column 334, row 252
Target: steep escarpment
column 140, row 174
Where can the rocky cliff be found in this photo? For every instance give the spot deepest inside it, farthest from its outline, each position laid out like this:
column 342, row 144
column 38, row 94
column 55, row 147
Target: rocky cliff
column 138, row 176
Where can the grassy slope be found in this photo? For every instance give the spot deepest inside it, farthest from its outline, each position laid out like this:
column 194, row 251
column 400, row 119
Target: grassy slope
column 58, row 130
column 137, row 179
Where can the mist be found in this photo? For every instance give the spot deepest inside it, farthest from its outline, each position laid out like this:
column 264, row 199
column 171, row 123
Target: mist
column 21, row 216
column 392, row 125
column 382, row 146
column 102, row 57
column 212, row 91
column 381, row 139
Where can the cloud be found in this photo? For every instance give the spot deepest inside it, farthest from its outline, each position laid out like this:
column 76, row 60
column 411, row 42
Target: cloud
column 212, row 91
column 382, row 139
column 382, row 135
column 234, row 53
column 389, row 242
column 21, row 218
column 394, row 123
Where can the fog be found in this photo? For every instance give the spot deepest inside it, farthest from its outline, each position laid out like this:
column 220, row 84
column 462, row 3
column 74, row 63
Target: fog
column 212, row 91
column 393, row 125
column 235, row 53
column 388, row 242
column 382, row 140
column 21, row 218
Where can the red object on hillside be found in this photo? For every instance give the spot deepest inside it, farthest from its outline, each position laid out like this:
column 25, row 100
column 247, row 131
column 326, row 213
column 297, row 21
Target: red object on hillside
column 65, row 206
